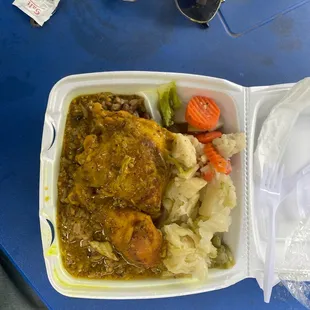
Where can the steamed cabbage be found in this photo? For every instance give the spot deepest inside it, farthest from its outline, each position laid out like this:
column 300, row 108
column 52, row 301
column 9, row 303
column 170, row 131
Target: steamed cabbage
column 205, row 242
column 181, row 198
column 218, row 222
column 219, row 193
column 197, row 145
column 184, row 151
column 202, row 208
column 184, row 188
column 190, row 249
column 189, row 173
column 183, row 253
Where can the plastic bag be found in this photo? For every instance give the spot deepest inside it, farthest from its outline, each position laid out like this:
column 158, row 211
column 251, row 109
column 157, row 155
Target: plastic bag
column 276, row 130
column 296, row 266
column 272, row 144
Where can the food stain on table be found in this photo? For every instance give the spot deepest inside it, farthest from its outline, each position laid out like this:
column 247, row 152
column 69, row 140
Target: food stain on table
column 282, row 26
column 267, row 61
column 290, row 44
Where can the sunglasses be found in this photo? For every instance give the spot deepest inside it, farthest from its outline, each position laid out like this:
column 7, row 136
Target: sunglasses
column 199, row 11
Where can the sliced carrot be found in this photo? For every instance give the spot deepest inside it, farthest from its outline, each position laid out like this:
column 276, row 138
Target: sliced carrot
column 202, row 113
column 228, row 167
column 208, row 137
column 208, row 175
column 216, row 160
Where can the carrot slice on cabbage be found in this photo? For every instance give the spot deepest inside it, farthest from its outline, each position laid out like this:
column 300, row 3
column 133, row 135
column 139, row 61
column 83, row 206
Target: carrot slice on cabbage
column 207, row 173
column 229, row 168
column 202, row 113
column 219, row 163
column 208, row 137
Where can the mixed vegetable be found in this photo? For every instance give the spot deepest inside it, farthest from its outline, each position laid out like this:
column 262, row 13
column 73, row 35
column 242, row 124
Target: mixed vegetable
column 203, row 118
column 200, row 197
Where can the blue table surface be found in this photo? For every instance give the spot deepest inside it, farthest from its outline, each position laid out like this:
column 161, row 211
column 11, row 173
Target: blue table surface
column 251, row 42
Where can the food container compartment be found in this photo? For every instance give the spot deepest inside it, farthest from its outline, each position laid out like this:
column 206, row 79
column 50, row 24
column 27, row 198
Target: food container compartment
column 243, row 109
column 296, row 156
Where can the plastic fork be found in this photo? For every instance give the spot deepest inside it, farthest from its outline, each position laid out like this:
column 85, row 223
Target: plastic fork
column 271, row 183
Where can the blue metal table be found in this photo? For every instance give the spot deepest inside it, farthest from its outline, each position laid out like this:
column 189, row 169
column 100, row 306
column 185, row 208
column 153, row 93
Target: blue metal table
column 250, row 42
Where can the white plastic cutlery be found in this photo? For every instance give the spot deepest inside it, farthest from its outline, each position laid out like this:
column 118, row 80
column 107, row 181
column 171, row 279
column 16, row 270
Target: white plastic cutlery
column 289, row 183
column 271, row 183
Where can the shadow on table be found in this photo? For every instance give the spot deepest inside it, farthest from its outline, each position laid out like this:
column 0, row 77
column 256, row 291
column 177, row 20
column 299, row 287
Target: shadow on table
column 15, row 293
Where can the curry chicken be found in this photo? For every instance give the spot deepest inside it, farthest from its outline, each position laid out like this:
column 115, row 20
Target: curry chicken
column 113, row 172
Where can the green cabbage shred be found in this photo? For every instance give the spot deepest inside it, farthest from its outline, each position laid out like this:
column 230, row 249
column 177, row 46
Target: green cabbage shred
column 169, row 101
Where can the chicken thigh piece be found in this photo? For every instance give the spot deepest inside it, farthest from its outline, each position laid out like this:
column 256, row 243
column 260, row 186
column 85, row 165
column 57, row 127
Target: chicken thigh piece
column 127, row 159
column 133, row 234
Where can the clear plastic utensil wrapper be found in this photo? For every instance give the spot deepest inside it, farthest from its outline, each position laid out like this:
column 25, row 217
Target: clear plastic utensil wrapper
column 274, row 142
column 39, row 10
column 296, row 265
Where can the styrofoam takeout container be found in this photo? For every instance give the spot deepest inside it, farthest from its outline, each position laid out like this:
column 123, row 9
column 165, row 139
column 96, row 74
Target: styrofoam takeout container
column 243, row 109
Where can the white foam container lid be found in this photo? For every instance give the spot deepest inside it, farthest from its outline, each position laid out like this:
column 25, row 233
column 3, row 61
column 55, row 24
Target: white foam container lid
column 243, row 109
